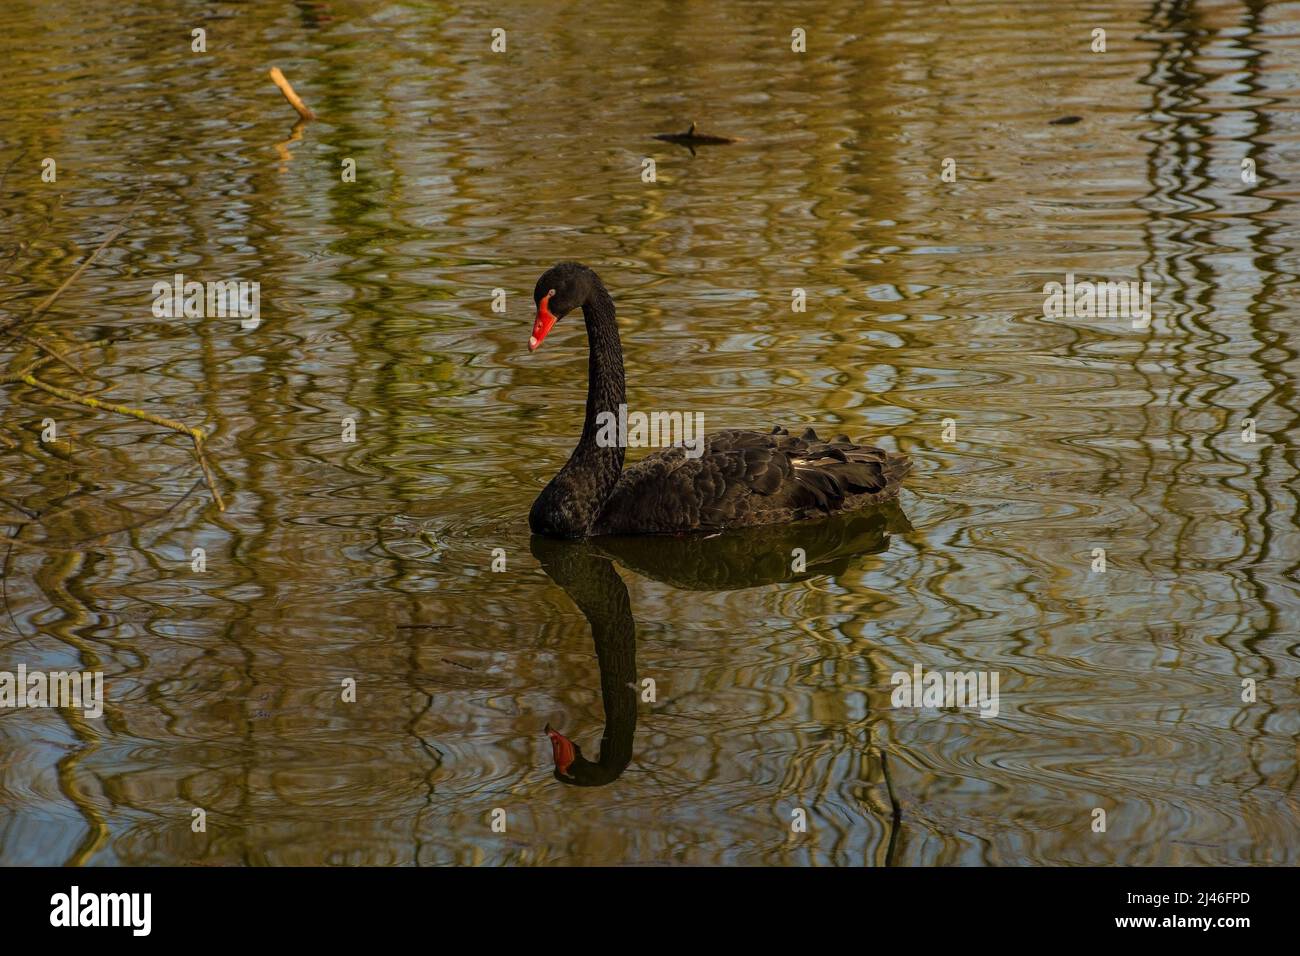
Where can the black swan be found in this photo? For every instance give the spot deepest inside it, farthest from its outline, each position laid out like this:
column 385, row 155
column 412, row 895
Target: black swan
column 740, row 479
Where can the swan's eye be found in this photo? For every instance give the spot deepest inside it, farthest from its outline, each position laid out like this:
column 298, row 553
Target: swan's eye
column 551, row 293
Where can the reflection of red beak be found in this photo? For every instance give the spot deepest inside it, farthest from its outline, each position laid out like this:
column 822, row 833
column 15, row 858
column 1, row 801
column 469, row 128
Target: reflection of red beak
column 561, row 747
column 542, row 324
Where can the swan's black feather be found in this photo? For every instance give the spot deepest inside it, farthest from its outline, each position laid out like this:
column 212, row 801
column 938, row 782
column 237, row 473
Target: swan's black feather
column 746, row 478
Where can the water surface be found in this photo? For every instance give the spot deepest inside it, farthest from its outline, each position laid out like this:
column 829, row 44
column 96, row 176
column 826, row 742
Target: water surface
column 372, row 560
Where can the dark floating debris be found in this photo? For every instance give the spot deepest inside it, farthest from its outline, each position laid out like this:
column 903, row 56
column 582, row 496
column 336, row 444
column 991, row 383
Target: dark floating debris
column 1065, row 120
column 691, row 139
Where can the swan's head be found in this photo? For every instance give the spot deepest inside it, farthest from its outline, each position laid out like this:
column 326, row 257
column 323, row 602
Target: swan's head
column 560, row 290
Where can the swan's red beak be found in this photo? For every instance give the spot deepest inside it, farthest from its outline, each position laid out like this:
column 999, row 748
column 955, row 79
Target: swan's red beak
column 561, row 746
column 541, row 325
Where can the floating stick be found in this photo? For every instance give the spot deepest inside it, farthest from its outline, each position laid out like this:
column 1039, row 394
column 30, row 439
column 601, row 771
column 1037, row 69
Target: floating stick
column 294, row 99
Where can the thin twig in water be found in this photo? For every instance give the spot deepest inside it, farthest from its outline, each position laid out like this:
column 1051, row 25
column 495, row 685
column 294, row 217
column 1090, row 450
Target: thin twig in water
column 67, row 489
column 196, row 434
column 50, row 299
column 4, row 578
column 21, row 509
column 92, row 402
column 896, row 811
column 29, row 241
column 52, row 352
column 78, row 545
column 207, row 473
column 5, row 175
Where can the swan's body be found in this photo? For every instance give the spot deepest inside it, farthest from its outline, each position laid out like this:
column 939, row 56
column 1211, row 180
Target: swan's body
column 741, row 478
column 748, row 478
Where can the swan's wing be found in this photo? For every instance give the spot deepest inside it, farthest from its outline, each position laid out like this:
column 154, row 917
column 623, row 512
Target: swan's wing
column 746, row 478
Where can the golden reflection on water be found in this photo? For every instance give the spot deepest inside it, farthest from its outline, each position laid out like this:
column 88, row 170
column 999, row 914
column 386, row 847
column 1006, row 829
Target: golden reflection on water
column 372, row 560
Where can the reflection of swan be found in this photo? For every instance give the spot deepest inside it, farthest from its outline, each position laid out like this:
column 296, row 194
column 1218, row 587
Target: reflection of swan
column 742, row 559
column 592, row 583
column 756, row 556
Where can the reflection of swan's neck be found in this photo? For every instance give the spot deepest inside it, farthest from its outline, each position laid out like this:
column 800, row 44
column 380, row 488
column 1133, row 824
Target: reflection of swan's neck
column 616, row 655
column 595, row 587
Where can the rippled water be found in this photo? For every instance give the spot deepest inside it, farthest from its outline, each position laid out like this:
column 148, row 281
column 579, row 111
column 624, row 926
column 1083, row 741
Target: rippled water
column 373, row 560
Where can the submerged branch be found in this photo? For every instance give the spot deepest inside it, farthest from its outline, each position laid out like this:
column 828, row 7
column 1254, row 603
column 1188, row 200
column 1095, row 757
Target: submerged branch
column 30, row 352
column 53, row 296
column 197, row 435
column 52, row 352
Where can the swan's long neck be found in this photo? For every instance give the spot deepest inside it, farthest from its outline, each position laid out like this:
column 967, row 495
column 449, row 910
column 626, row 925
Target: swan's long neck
column 571, row 503
column 605, row 387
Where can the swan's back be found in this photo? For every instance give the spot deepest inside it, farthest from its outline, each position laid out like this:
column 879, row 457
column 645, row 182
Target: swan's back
column 745, row 478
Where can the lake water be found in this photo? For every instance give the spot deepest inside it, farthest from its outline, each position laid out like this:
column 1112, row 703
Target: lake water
column 372, row 560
